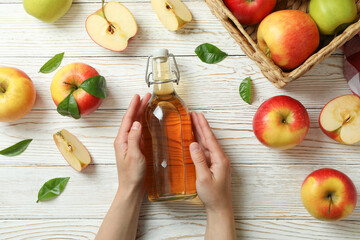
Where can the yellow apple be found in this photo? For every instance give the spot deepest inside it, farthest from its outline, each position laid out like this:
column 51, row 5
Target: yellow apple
column 340, row 119
column 172, row 13
column 113, row 30
column 72, row 150
column 17, row 94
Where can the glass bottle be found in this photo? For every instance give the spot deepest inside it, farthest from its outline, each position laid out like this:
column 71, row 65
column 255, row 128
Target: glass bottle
column 167, row 134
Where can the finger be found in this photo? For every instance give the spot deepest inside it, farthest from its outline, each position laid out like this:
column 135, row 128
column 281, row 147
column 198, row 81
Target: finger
column 199, row 135
column 197, row 129
column 199, row 159
column 141, row 109
column 210, row 139
column 134, row 138
column 128, row 118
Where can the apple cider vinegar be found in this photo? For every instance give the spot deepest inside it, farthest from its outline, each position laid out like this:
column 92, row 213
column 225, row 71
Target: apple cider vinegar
column 167, row 134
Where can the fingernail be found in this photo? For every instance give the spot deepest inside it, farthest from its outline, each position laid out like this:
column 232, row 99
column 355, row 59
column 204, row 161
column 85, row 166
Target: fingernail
column 194, row 147
column 135, row 96
column 136, row 125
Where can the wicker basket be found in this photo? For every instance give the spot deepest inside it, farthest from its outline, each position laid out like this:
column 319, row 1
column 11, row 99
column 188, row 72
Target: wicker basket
column 245, row 36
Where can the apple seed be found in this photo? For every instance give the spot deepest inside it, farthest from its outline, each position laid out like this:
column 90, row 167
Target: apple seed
column 168, row 5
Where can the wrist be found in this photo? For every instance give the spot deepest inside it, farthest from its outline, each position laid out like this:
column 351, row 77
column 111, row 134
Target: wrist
column 130, row 194
column 220, row 223
column 223, row 217
column 220, row 211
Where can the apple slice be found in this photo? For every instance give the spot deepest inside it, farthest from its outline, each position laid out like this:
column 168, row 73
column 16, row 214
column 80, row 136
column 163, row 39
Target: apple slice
column 172, row 13
column 72, row 150
column 340, row 119
column 114, row 29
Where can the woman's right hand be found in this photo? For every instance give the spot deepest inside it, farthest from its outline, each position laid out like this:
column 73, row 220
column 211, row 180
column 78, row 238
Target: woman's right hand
column 213, row 182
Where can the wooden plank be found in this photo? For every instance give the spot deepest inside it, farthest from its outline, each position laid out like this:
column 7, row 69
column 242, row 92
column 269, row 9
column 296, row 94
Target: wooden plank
column 79, row 229
column 202, row 86
column 259, row 192
column 27, row 36
column 232, row 127
column 82, row 229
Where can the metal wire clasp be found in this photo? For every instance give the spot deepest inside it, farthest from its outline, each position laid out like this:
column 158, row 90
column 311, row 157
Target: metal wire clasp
column 175, row 73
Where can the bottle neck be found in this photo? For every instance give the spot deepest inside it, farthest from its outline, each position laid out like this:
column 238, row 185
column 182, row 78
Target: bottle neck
column 161, row 73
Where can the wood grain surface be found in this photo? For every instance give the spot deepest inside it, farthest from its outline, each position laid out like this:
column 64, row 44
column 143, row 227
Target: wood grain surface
column 85, row 229
column 265, row 183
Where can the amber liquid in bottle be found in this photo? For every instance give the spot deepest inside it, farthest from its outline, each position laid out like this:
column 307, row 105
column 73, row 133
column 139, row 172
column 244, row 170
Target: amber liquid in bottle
column 167, row 134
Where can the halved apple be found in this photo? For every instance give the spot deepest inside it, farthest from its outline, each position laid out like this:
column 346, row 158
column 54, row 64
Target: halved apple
column 172, row 13
column 114, row 29
column 340, row 119
column 72, row 150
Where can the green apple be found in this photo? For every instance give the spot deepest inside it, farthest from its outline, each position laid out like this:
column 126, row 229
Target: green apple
column 47, row 10
column 332, row 16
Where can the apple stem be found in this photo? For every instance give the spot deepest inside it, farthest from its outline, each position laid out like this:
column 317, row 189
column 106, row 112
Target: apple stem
column 347, row 120
column 111, row 26
column 268, row 53
column 330, row 202
column 2, row 89
column 73, row 85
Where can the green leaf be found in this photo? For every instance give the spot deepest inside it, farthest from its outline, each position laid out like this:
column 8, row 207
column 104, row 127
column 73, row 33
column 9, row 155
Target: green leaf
column 209, row 53
column 68, row 107
column 52, row 188
column 245, row 90
column 16, row 149
column 52, row 64
column 95, row 86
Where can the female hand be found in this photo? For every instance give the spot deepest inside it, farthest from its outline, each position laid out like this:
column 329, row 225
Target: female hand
column 121, row 220
column 130, row 161
column 213, row 182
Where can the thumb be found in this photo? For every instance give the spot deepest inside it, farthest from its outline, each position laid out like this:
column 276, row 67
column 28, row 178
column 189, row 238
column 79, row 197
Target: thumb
column 199, row 159
column 134, row 137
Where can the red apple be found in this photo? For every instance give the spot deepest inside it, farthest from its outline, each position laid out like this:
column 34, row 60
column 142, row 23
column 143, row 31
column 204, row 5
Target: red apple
column 328, row 194
column 340, row 119
column 281, row 122
column 288, row 37
column 250, row 12
column 17, row 94
column 68, row 79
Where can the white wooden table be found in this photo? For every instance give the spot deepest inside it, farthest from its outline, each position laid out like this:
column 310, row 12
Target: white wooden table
column 265, row 183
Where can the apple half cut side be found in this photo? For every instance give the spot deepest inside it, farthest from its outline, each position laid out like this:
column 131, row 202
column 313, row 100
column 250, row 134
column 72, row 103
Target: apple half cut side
column 340, row 119
column 173, row 14
column 72, row 150
column 113, row 30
